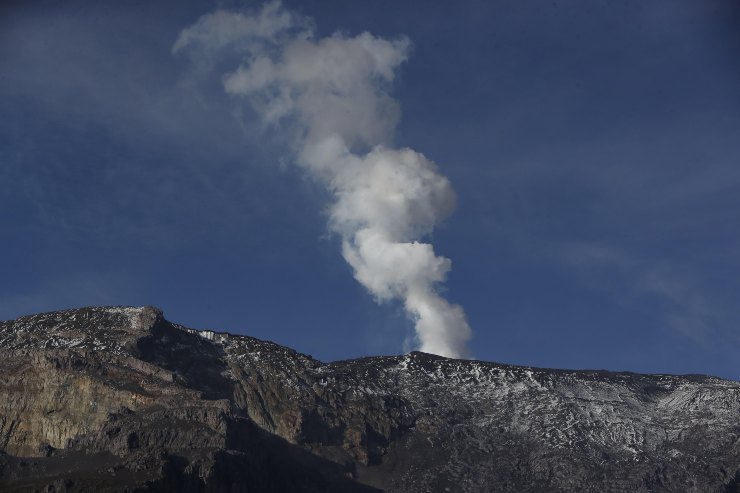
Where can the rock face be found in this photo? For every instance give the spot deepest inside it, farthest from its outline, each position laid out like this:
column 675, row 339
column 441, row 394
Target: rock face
column 119, row 399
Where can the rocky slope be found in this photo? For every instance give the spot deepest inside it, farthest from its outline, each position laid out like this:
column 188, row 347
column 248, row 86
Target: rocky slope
column 119, row 399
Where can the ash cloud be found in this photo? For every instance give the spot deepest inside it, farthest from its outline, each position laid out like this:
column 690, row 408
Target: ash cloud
column 330, row 96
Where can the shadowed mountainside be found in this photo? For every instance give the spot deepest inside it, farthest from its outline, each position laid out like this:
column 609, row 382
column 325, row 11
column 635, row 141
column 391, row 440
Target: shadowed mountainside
column 119, row 399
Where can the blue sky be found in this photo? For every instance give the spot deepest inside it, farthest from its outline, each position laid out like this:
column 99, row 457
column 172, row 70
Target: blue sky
column 594, row 148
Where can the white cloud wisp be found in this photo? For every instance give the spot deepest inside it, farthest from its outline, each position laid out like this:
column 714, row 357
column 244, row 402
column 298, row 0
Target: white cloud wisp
column 332, row 93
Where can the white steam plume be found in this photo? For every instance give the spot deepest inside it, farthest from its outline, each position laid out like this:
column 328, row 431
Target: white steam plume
column 332, row 93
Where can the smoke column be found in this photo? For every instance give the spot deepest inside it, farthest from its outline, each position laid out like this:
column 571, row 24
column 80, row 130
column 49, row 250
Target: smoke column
column 330, row 96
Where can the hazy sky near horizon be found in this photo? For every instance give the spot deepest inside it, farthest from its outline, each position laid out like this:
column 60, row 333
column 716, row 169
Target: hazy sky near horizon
column 594, row 147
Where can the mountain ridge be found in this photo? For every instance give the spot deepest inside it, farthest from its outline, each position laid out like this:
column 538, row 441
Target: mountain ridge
column 177, row 407
column 216, row 333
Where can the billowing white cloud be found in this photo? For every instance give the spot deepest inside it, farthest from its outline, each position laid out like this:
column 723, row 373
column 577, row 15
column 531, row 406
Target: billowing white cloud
column 332, row 96
column 223, row 28
column 332, row 86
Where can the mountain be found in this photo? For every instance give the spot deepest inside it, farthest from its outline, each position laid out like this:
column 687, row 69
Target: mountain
column 120, row 399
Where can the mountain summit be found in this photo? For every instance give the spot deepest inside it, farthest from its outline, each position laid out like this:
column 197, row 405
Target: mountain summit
column 120, row 399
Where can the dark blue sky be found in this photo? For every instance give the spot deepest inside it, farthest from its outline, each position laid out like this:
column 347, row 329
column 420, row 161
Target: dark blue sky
column 594, row 147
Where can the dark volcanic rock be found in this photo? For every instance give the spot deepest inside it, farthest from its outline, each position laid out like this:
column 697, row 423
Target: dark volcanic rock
column 119, row 399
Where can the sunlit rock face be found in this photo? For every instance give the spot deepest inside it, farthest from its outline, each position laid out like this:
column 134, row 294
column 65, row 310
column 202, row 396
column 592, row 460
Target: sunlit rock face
column 119, row 399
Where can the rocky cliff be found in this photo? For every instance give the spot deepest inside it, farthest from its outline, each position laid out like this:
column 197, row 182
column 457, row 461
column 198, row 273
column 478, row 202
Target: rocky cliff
column 119, row 399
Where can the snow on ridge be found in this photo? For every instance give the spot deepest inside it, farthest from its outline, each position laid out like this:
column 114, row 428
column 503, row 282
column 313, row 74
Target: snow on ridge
column 94, row 328
column 209, row 335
